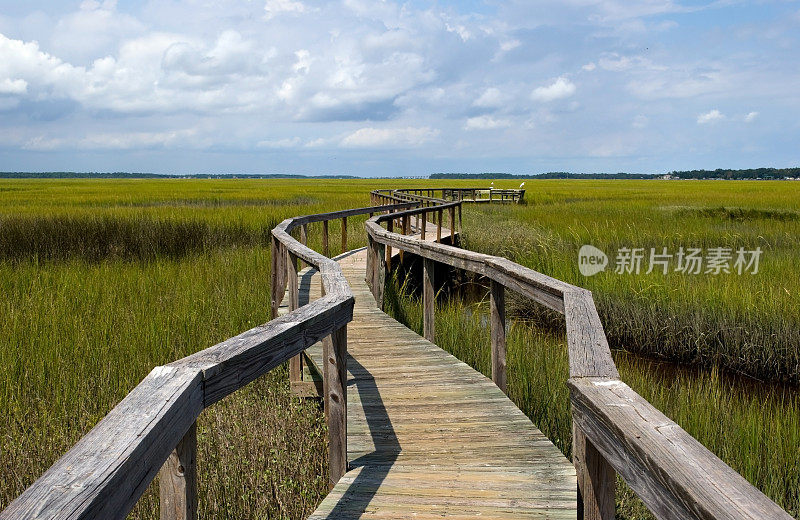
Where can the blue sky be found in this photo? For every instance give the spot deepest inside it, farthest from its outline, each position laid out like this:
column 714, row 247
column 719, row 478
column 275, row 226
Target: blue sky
column 377, row 88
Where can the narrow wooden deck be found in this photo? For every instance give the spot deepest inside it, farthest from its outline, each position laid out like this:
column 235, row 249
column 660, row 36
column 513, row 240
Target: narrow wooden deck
column 427, row 435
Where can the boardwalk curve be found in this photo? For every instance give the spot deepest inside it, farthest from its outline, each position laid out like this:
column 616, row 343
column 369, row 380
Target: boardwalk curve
column 428, row 436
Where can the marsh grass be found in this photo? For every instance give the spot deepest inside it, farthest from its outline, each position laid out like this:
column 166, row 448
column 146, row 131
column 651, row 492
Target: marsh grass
column 102, row 281
column 746, row 323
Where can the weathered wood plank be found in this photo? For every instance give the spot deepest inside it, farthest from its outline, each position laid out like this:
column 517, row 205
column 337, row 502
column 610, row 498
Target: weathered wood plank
column 336, row 391
column 428, row 299
column 177, row 480
column 589, row 353
column 237, row 361
column 675, row 475
column 597, row 480
column 497, row 311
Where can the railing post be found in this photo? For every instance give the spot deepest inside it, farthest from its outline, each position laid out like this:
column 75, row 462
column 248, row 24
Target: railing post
column 460, row 222
column 389, row 228
column 439, row 226
column 452, row 214
column 344, row 234
column 336, row 396
column 596, row 479
column 424, row 223
column 295, row 364
column 428, row 299
column 404, row 221
column 278, row 260
column 497, row 304
column 177, row 480
column 325, row 250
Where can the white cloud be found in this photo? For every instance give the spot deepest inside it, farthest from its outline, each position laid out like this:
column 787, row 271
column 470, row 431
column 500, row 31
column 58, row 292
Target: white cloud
column 750, row 117
column 115, row 141
column 279, row 143
column 389, row 137
column 561, row 88
column 273, row 8
column 491, row 98
column 589, row 66
column 13, row 86
column 711, row 116
column 486, row 123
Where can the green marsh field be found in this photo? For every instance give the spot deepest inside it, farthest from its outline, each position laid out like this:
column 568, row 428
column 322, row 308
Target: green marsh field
column 103, row 280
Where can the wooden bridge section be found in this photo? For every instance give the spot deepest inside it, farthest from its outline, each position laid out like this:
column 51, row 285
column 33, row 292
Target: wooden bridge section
column 412, row 431
column 428, row 436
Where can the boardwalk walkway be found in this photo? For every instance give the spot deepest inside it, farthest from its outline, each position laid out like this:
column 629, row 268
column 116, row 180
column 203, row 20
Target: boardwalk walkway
column 430, row 437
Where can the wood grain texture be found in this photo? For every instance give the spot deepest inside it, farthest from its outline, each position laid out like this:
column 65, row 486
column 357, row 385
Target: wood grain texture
column 596, row 479
column 177, row 480
column 589, row 353
column 295, row 367
column 675, row 475
column 335, row 369
column 428, row 299
column 497, row 318
column 325, row 247
column 344, row 234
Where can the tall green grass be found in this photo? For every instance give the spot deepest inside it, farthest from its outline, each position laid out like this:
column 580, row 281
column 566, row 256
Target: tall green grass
column 744, row 323
column 102, row 281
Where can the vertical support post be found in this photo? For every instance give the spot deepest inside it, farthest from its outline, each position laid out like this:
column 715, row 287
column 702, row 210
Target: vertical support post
column 389, row 228
column 295, row 363
column 325, row 250
column 344, row 234
column 428, row 299
column 336, row 393
column 596, row 479
column 380, row 274
column 417, row 220
column 460, row 222
column 439, row 226
column 304, row 234
column 278, row 261
column 404, row 230
column 497, row 304
column 452, row 215
column 274, row 263
column 424, row 223
column 177, row 480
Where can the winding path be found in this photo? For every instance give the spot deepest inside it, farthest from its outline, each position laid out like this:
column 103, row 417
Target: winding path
column 427, row 435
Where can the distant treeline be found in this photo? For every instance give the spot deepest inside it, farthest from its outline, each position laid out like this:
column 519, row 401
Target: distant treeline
column 126, row 175
column 755, row 173
column 549, row 175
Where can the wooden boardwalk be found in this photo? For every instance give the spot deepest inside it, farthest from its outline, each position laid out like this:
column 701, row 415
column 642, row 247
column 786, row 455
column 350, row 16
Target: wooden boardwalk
column 427, row 435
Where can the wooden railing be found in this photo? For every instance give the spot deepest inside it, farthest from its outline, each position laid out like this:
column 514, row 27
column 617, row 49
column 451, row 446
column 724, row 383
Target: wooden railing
column 614, row 428
column 154, row 427
column 491, row 195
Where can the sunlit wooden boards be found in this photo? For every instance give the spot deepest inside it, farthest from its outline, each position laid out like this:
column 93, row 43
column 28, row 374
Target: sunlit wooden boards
column 429, row 437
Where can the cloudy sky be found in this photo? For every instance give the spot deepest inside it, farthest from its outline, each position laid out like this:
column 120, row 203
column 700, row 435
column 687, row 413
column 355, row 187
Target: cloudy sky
column 372, row 87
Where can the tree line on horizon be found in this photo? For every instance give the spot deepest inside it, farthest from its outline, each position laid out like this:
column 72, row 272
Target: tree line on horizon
column 752, row 173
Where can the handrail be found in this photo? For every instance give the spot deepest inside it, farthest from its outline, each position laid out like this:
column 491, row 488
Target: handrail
column 105, row 473
column 614, row 428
